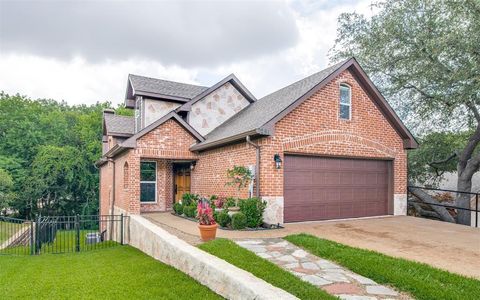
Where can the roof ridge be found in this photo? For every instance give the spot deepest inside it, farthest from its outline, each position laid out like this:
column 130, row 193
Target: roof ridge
column 148, row 77
column 334, row 66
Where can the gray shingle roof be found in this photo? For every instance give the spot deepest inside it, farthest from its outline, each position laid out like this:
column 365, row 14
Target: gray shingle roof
column 119, row 124
column 165, row 87
column 263, row 110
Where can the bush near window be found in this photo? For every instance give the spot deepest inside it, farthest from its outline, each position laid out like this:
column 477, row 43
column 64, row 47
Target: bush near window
column 178, row 208
column 230, row 202
column 189, row 199
column 190, row 211
column 253, row 209
column 239, row 221
column 223, row 219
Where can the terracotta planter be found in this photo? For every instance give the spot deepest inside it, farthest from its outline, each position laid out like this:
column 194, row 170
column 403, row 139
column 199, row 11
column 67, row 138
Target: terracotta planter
column 208, row 232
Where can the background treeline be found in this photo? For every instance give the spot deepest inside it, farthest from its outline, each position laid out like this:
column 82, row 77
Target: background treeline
column 47, row 152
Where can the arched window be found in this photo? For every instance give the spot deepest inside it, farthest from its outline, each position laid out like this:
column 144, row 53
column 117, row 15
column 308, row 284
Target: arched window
column 126, row 175
column 345, row 111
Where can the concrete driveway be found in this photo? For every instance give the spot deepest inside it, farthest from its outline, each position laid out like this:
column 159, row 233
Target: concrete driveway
column 452, row 247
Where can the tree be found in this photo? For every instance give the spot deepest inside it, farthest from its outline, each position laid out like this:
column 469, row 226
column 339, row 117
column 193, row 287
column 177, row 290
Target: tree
column 424, row 56
column 6, row 191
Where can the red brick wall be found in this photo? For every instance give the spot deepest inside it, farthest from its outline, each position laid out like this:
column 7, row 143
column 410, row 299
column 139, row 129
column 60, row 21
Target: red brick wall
column 210, row 174
column 315, row 127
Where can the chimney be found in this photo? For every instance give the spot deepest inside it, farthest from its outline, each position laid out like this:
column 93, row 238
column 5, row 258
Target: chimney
column 108, row 111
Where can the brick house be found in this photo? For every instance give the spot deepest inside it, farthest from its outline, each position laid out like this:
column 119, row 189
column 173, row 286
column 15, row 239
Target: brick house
column 328, row 146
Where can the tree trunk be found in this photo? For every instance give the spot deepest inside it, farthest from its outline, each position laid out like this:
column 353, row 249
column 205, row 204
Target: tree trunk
column 442, row 212
column 464, row 184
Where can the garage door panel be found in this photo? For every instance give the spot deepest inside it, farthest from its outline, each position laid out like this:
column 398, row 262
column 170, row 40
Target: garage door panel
column 318, row 188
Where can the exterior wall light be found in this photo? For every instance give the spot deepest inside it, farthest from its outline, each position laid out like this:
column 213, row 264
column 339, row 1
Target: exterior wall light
column 278, row 161
column 192, row 165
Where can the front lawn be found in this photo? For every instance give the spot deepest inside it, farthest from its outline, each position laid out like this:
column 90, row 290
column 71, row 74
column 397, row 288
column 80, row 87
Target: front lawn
column 419, row 280
column 262, row 268
column 120, row 272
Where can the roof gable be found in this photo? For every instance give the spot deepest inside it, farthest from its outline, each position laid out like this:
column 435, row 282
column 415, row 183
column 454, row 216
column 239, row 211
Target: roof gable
column 230, row 78
column 131, row 142
column 261, row 116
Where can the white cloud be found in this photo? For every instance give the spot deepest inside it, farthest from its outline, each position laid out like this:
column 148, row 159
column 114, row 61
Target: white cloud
column 80, row 81
column 77, row 81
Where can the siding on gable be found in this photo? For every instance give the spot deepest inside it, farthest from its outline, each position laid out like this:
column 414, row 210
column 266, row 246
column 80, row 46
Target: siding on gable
column 216, row 108
column 155, row 109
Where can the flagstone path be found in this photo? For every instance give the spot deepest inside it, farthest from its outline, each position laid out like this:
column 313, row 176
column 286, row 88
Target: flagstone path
column 325, row 274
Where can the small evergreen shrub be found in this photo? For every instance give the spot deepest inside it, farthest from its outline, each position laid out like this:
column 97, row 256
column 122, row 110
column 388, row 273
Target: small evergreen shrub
column 230, row 201
column 223, row 219
column 253, row 209
column 190, row 211
column 239, row 221
column 178, row 208
column 190, row 199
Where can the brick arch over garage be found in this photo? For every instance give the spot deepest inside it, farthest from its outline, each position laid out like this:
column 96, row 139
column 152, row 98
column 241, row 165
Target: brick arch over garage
column 338, row 143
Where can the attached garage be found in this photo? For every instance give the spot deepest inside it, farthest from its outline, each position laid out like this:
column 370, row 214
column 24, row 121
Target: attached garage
column 324, row 188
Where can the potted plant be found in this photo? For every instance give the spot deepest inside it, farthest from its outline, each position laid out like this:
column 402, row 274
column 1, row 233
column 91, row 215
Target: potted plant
column 206, row 222
column 219, row 203
column 240, row 177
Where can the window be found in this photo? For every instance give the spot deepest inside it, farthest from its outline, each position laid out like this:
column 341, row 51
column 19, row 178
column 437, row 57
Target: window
column 148, row 181
column 345, row 102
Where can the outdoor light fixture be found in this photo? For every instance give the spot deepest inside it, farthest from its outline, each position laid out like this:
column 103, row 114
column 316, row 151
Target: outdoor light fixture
column 278, row 161
column 192, row 165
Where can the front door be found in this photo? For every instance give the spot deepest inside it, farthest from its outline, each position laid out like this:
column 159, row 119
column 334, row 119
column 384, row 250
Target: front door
column 182, row 181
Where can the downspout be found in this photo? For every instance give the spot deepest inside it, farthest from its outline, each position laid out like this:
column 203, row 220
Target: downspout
column 257, row 166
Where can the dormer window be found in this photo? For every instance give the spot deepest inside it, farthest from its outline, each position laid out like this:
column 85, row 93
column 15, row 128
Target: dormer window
column 345, row 102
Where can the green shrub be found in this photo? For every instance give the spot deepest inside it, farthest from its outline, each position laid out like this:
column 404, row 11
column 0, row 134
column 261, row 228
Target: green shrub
column 178, row 208
column 253, row 209
column 223, row 218
column 189, row 199
column 230, row 202
column 239, row 221
column 190, row 211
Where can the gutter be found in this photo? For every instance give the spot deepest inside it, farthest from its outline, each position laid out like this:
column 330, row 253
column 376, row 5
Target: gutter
column 231, row 139
column 257, row 166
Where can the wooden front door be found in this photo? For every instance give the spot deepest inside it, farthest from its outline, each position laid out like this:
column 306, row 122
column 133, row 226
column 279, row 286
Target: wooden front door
column 182, row 182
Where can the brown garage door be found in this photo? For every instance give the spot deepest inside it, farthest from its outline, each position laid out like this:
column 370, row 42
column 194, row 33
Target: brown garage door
column 320, row 188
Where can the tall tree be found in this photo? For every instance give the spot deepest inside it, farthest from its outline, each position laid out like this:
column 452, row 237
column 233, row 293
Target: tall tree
column 424, row 55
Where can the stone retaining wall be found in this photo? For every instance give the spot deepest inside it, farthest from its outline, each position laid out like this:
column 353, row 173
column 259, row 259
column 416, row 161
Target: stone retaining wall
column 220, row 276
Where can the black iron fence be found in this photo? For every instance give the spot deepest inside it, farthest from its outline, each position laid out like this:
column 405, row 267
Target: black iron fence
column 60, row 234
column 445, row 198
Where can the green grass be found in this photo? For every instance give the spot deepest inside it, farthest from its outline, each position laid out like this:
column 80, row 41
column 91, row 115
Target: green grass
column 65, row 242
column 121, row 272
column 419, row 280
column 271, row 273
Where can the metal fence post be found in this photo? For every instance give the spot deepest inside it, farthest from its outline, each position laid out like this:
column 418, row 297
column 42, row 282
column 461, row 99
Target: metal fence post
column 32, row 239
column 37, row 234
column 77, row 233
column 476, row 211
column 121, row 229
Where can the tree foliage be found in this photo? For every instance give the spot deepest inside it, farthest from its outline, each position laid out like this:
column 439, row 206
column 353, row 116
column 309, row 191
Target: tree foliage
column 424, row 57
column 48, row 149
column 427, row 164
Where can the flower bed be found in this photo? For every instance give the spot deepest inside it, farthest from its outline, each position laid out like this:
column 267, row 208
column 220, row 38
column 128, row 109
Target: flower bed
column 230, row 213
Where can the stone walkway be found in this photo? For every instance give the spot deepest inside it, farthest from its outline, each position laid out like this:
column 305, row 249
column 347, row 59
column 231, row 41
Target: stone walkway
column 331, row 277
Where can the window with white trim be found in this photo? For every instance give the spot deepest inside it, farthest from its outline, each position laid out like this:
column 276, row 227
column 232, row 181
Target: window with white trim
column 345, row 102
column 148, row 181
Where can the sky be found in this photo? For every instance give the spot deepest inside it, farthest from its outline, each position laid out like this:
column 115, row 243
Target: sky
column 83, row 51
